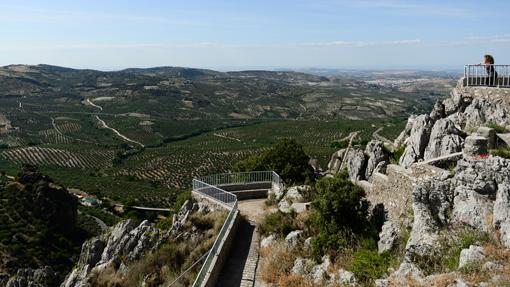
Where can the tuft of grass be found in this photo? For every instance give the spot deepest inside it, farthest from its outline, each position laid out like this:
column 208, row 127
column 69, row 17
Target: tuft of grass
column 502, row 152
column 368, row 264
column 278, row 260
column 397, row 154
column 498, row 128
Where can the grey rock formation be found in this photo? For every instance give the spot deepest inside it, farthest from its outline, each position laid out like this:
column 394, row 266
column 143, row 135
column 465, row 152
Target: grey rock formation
column 473, row 254
column 293, row 238
column 319, row 273
column 438, row 111
column 377, row 156
column 417, row 141
column 295, row 193
column 501, row 216
column 356, row 164
column 432, row 201
column 445, row 138
column 284, row 206
column 388, row 236
column 343, row 278
column 336, row 161
column 302, row 266
column 267, row 241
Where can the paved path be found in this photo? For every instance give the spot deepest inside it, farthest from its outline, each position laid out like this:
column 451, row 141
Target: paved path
column 240, row 269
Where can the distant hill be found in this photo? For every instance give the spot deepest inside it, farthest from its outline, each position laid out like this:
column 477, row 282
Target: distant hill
column 186, row 93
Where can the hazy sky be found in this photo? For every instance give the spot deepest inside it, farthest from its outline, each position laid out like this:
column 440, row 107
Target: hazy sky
column 111, row 34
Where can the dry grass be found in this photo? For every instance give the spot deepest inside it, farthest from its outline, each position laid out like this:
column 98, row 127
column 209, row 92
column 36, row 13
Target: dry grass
column 294, row 281
column 277, row 261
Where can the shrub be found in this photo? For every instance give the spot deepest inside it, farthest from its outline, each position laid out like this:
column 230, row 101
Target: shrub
column 341, row 213
column 278, row 223
column 287, row 158
column 369, row 265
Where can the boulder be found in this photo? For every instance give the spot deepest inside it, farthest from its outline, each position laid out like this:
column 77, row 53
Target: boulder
column 501, row 216
column 445, row 139
column 267, row 241
column 293, row 238
column 388, row 236
column 473, row 254
column 356, row 164
column 438, row 111
column 302, row 267
column 377, row 156
column 295, row 193
column 432, row 202
column 417, row 141
column 336, row 161
column 284, row 206
column 319, row 273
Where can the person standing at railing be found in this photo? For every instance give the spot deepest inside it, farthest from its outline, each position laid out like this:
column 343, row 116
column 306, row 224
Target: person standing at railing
column 492, row 75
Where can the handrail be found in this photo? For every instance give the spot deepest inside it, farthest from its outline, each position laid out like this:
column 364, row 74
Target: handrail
column 208, row 186
column 487, row 75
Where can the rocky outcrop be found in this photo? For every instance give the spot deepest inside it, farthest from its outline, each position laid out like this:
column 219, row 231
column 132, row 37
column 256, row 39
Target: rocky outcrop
column 445, row 138
column 418, row 139
column 442, row 131
column 125, row 240
column 378, row 158
column 356, row 164
column 473, row 254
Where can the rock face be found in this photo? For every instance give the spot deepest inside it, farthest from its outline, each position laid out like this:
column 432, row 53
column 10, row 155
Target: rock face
column 440, row 133
column 377, row 158
column 388, row 236
column 445, row 138
column 417, row 141
column 356, row 164
column 501, row 216
column 126, row 240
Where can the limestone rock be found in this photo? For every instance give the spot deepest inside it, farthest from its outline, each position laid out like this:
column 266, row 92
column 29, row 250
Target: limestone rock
column 302, row 266
column 319, row 273
column 376, row 155
column 417, row 141
column 336, row 161
column 445, row 138
column 432, row 201
column 343, row 278
column 267, row 241
column 438, row 111
column 356, row 164
column 388, row 236
column 295, row 193
column 501, row 216
column 284, row 206
column 471, row 255
column 293, row 238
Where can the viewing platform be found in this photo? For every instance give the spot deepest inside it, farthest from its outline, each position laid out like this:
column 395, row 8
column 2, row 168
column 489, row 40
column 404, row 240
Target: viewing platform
column 486, row 76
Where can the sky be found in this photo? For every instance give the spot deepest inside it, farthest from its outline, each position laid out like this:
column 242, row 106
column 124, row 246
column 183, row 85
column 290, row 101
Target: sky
column 254, row 34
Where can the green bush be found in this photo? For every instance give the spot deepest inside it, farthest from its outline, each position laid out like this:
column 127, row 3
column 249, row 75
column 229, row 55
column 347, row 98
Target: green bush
column 287, row 158
column 369, row 265
column 278, row 223
column 341, row 213
column 397, row 154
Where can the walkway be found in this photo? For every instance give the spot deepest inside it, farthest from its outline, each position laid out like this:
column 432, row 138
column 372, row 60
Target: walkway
column 240, row 269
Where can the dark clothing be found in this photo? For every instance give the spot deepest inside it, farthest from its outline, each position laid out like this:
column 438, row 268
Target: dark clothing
column 492, row 75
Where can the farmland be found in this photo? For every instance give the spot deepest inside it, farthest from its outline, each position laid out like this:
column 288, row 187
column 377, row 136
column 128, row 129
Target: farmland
column 167, row 125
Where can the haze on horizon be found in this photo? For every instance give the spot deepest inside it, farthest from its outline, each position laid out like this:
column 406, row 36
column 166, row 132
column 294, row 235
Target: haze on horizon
column 254, row 34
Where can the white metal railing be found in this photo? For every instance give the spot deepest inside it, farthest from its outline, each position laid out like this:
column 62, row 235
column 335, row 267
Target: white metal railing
column 487, row 75
column 209, row 186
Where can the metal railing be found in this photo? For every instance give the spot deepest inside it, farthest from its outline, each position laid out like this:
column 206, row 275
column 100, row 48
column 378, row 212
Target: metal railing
column 209, row 186
column 487, row 75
